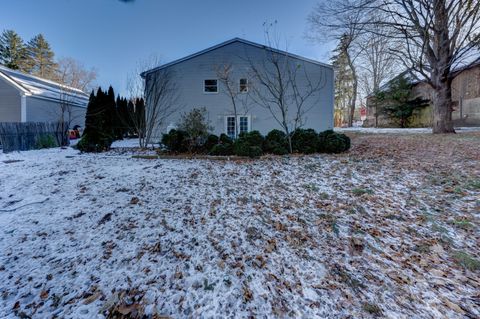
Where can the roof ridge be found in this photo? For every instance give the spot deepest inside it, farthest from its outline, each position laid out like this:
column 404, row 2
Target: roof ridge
column 224, row 43
column 38, row 78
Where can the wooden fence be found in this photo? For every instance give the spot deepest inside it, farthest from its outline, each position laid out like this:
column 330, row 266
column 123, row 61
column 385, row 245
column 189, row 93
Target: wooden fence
column 32, row 135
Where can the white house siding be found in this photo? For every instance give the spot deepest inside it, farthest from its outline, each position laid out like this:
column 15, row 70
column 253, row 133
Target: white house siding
column 41, row 110
column 189, row 77
column 10, row 103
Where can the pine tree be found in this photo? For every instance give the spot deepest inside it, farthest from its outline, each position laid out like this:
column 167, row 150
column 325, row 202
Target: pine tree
column 397, row 101
column 343, row 81
column 12, row 50
column 40, row 59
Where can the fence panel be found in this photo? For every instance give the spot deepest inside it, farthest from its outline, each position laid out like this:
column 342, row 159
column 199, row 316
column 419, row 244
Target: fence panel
column 32, row 135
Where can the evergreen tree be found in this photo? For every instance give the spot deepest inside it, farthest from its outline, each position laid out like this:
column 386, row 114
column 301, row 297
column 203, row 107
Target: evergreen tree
column 97, row 135
column 40, row 59
column 140, row 117
column 132, row 130
column 397, row 102
column 344, row 81
column 12, row 50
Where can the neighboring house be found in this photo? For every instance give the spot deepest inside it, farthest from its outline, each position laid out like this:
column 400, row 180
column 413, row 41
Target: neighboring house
column 27, row 98
column 197, row 81
column 465, row 97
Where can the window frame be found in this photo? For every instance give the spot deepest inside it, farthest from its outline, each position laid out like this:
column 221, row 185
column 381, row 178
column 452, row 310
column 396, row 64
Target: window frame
column 237, row 123
column 205, row 85
column 240, row 85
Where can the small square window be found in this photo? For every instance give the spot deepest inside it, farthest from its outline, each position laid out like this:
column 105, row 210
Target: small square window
column 210, row 86
column 243, row 85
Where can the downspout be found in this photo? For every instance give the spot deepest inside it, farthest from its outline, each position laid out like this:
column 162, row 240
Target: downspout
column 23, row 108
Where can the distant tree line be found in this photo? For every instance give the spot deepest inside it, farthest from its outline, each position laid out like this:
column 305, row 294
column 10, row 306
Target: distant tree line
column 108, row 119
column 36, row 57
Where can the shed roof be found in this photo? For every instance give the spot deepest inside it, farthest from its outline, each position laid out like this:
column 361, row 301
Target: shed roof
column 188, row 57
column 42, row 88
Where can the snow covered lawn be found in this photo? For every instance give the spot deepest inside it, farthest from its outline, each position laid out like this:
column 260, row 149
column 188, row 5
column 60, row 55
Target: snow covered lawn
column 389, row 229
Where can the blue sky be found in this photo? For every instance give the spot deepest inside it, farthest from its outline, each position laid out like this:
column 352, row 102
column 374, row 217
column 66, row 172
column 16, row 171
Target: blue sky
column 112, row 36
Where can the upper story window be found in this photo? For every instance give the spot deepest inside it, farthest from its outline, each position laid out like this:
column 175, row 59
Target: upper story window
column 243, row 85
column 210, row 86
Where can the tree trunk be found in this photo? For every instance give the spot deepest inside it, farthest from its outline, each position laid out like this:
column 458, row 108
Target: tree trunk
column 353, row 98
column 442, row 109
column 441, row 73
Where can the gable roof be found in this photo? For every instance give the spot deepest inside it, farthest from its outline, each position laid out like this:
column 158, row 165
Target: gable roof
column 44, row 89
column 261, row 46
column 414, row 77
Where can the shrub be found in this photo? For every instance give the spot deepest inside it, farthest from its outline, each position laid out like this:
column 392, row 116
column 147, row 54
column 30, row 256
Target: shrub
column 210, row 142
column 249, row 144
column 276, row 143
column 331, row 142
column 304, row 141
column 98, row 143
column 225, row 139
column 224, row 146
column 175, row 141
column 196, row 125
column 45, row 141
column 222, row 150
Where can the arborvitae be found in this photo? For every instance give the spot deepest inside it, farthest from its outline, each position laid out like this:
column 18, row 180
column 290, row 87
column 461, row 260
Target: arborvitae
column 97, row 136
column 12, row 50
column 89, row 116
column 140, row 114
column 122, row 118
column 110, row 113
column 40, row 59
column 132, row 129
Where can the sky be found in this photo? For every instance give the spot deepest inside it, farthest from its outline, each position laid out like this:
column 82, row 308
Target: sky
column 112, row 36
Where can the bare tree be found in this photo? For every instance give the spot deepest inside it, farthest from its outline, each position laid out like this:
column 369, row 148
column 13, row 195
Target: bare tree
column 233, row 89
column 336, row 20
column 437, row 36
column 74, row 74
column 160, row 93
column 74, row 80
column 276, row 87
column 376, row 63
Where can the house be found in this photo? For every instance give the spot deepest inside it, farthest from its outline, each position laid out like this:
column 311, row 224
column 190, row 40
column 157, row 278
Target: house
column 465, row 98
column 27, row 98
column 197, row 82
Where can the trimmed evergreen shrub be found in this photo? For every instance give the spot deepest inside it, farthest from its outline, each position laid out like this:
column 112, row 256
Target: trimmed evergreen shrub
column 305, row 141
column 222, row 150
column 225, row 139
column 249, row 144
column 175, row 141
column 210, row 142
column 97, row 144
column 224, row 146
column 276, row 143
column 332, row 142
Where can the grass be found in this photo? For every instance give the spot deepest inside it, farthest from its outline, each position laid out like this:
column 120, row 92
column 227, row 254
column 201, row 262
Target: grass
column 361, row 191
column 463, row 224
column 372, row 309
column 466, row 261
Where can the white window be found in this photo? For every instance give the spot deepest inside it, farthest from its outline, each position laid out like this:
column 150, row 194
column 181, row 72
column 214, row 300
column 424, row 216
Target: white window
column 231, row 126
column 210, row 86
column 242, row 123
column 243, row 85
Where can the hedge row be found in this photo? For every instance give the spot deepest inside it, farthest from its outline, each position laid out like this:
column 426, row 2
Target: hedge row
column 254, row 144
